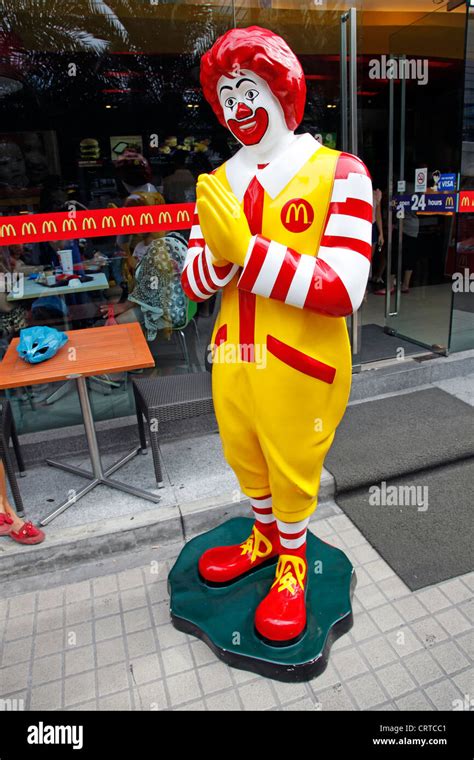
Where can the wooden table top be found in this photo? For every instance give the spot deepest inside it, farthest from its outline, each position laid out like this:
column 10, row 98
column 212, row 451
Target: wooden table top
column 94, row 351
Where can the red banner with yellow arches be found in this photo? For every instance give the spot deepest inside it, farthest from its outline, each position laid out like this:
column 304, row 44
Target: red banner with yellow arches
column 35, row 228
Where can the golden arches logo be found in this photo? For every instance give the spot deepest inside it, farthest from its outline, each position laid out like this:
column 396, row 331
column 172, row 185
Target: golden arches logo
column 164, row 217
column 89, row 223
column 127, row 220
column 183, row 216
column 49, row 226
column 69, row 224
column 465, row 201
column 146, row 218
column 28, row 228
column 6, row 230
column 109, row 221
column 294, row 210
column 449, row 202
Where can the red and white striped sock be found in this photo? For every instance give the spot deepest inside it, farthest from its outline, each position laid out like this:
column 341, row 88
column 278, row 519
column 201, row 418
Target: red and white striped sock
column 293, row 536
column 264, row 517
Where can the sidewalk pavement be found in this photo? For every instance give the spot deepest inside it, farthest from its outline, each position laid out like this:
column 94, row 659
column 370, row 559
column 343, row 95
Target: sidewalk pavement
column 97, row 635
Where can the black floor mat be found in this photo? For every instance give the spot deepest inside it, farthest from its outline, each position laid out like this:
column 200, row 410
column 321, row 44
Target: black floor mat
column 378, row 345
column 430, row 538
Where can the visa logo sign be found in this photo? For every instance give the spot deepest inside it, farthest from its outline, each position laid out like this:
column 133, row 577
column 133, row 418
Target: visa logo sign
column 448, row 183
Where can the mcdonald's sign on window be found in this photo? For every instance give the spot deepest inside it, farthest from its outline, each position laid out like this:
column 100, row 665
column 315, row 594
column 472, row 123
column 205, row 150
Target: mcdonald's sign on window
column 183, row 216
column 28, row 228
column 146, row 218
column 449, row 202
column 466, row 201
column 6, row 230
column 108, row 221
column 89, row 223
column 69, row 224
column 48, row 226
column 127, row 220
column 164, row 217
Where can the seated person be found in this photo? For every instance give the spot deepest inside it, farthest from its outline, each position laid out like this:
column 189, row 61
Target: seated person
column 13, row 314
column 157, row 300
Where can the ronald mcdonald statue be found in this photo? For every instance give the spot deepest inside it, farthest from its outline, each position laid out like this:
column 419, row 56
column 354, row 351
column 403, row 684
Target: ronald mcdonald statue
column 284, row 230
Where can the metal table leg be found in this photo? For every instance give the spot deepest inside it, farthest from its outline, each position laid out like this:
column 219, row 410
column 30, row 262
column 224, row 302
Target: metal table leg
column 97, row 476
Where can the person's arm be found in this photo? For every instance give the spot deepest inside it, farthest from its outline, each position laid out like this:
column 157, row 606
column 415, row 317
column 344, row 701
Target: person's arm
column 202, row 274
column 378, row 220
column 332, row 283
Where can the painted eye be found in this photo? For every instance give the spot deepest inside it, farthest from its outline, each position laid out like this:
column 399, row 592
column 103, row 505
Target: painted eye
column 230, row 102
column 251, row 94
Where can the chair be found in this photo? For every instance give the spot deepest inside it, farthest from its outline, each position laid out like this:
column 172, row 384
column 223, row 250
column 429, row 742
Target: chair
column 164, row 399
column 191, row 310
column 7, row 432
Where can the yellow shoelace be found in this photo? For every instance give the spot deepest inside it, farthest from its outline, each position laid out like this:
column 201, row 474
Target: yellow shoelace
column 290, row 573
column 253, row 545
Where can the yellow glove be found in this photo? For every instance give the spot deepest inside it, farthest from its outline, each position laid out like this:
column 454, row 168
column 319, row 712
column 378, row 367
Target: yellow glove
column 223, row 223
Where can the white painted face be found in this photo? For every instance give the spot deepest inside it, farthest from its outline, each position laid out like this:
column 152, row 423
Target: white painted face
column 252, row 112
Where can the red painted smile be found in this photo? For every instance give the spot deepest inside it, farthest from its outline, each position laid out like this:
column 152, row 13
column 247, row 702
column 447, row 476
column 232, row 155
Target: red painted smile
column 250, row 131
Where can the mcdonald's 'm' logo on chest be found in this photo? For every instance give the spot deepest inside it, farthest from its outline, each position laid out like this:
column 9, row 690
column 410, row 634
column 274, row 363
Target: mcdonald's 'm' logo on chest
column 297, row 215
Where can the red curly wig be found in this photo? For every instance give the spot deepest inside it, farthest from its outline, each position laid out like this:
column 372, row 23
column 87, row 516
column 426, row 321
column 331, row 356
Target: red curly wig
column 263, row 52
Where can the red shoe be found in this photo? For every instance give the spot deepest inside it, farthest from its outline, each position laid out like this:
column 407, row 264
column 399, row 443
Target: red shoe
column 28, row 534
column 383, row 292
column 280, row 619
column 224, row 564
column 5, row 524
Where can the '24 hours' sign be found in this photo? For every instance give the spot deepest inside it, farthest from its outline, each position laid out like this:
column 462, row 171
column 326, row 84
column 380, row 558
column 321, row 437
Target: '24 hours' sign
column 427, row 203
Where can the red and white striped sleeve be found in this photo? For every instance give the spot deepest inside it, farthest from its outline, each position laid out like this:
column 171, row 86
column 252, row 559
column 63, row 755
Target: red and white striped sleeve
column 333, row 283
column 201, row 278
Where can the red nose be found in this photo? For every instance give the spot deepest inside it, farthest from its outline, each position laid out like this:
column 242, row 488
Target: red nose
column 243, row 111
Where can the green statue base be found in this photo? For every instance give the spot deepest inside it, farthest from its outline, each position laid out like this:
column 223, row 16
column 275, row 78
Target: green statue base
column 223, row 617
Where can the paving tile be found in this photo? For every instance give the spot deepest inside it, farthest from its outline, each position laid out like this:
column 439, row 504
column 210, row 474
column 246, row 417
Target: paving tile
column 301, row 705
column 378, row 652
column 161, row 613
column 169, row 636
column 423, row 667
column 140, row 643
column 75, row 592
column 107, row 628
column 328, row 678
column 396, row 680
column 287, row 692
column 335, row 698
column 202, row 653
column 13, row 678
column 386, row 707
column 79, row 634
column 393, row 588
column 415, row 701
column 50, row 619
column 106, row 605
column 214, row 677
column 363, row 554
column 18, row 627
column 177, row 659
column 79, row 688
column 46, row 697
column 137, row 620
column 227, row 700
column 49, row 643
column 386, row 617
column 466, row 642
column 133, row 598
column 352, row 537
column 196, row 706
column 465, row 683
column 257, row 696
column 130, row 578
column 443, row 694
column 366, row 691
column 340, row 523
column 429, row 631
column 18, row 650
column 79, row 659
column 379, row 570
column 22, row 604
column 349, row 663
column 433, row 599
column 112, row 678
column 145, row 669
column 46, row 669
column 363, row 578
column 111, row 651
column 370, row 596
column 467, row 609
column 363, row 628
column 453, row 621
column 468, row 580
column 118, row 701
column 151, row 696
column 450, row 657
column 78, row 612
column 410, row 608
column 158, row 592
column 105, row 585
column 183, row 687
column 51, row 597
column 455, row 590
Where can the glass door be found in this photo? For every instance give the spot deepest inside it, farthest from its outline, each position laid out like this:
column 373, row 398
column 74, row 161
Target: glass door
column 425, row 72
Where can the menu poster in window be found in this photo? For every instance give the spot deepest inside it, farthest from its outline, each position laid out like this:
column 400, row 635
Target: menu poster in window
column 118, row 145
column 90, row 152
